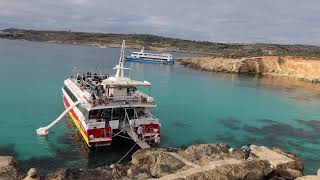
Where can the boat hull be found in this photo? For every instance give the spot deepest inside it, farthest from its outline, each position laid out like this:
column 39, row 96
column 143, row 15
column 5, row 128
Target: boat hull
column 82, row 131
column 149, row 60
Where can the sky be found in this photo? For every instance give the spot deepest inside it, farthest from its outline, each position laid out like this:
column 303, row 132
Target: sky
column 235, row 21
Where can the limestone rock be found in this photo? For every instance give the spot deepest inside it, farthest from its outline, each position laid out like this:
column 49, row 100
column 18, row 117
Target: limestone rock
column 290, row 173
column 32, row 175
column 6, row 161
column 310, row 177
column 59, row 174
column 203, row 161
column 143, row 175
column 253, row 170
column 8, row 169
column 158, row 163
column 297, row 67
column 131, row 172
column 118, row 172
column 204, row 153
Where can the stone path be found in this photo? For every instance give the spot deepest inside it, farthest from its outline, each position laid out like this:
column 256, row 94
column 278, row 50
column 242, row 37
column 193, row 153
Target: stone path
column 196, row 168
column 262, row 152
column 186, row 162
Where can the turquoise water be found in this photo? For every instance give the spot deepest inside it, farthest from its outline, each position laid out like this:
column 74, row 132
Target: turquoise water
column 194, row 106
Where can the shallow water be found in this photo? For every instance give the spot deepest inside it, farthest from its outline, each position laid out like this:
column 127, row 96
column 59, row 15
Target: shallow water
column 194, row 106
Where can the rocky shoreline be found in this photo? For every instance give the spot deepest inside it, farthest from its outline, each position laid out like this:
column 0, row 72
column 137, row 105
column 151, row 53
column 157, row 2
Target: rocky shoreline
column 203, row 161
column 287, row 66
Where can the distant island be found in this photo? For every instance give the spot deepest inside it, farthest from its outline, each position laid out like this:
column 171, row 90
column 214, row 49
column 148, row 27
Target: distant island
column 152, row 42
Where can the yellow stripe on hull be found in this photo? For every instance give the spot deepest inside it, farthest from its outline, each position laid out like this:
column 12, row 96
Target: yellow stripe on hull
column 75, row 122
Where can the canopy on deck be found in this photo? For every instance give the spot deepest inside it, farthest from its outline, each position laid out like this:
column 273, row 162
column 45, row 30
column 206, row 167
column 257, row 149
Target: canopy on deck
column 124, row 81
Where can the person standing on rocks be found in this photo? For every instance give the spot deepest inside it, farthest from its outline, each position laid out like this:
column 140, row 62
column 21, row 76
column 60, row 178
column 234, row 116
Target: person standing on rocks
column 246, row 150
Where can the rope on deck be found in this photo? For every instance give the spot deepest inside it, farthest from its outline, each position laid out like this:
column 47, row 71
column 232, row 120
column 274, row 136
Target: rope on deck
column 126, row 154
column 118, row 134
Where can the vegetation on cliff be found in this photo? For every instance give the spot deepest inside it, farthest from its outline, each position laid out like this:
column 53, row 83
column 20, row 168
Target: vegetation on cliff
column 153, row 42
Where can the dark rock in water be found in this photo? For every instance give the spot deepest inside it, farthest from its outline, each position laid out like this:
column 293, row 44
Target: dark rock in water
column 231, row 123
column 8, row 150
column 314, row 124
column 182, row 125
column 202, row 161
column 265, row 120
column 281, row 129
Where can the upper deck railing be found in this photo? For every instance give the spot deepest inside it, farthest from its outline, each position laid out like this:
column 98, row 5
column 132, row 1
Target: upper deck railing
column 99, row 97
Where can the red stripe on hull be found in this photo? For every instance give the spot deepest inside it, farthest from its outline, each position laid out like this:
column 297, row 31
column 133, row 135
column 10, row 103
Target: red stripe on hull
column 67, row 104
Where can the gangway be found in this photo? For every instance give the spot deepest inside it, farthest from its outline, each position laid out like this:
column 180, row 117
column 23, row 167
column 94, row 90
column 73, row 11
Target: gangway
column 134, row 136
column 43, row 131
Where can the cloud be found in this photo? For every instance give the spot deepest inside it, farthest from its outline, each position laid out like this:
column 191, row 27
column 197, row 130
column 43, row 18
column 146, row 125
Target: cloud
column 157, row 21
column 276, row 21
column 78, row 2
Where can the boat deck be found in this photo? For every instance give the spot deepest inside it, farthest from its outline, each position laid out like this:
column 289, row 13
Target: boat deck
column 133, row 98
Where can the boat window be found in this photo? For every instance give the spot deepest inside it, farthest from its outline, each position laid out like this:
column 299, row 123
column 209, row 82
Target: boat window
column 81, row 109
column 100, row 114
column 95, row 114
column 69, row 93
column 118, row 113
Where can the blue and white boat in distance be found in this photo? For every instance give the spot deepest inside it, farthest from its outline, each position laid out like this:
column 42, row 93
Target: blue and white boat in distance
column 143, row 57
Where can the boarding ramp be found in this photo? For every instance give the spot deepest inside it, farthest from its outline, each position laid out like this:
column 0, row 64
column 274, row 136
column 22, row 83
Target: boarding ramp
column 134, row 136
column 43, row 131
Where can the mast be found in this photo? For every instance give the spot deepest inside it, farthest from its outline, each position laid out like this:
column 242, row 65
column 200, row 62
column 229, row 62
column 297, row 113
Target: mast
column 119, row 67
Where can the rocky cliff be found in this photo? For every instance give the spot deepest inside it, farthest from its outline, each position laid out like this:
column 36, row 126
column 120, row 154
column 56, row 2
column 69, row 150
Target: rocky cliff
column 204, row 161
column 301, row 68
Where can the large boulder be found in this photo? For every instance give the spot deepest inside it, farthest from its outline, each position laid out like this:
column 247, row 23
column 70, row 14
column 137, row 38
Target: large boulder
column 284, row 164
column 202, row 154
column 32, row 175
column 118, row 172
column 8, row 168
column 156, row 162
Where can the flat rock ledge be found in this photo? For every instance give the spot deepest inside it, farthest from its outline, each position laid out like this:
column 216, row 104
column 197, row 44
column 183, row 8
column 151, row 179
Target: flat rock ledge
column 202, row 161
column 294, row 67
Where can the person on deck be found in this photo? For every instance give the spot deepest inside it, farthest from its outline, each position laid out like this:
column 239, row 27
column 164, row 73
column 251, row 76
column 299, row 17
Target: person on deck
column 93, row 99
column 140, row 132
column 246, row 150
column 156, row 140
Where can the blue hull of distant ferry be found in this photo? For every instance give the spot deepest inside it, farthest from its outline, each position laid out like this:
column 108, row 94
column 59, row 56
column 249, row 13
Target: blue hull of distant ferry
column 146, row 60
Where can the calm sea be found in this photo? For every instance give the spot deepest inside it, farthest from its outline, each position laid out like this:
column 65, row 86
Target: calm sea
column 194, row 106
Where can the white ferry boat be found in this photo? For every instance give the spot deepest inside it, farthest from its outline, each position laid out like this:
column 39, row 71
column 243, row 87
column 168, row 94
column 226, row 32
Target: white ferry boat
column 141, row 56
column 102, row 106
